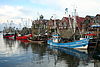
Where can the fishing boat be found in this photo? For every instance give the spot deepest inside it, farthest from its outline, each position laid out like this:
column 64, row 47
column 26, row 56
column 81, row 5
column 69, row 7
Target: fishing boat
column 9, row 32
column 80, row 43
column 95, row 34
column 39, row 39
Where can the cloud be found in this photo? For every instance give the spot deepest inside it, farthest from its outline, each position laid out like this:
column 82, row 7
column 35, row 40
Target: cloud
column 84, row 7
column 14, row 13
column 44, row 2
column 48, row 8
column 9, row 11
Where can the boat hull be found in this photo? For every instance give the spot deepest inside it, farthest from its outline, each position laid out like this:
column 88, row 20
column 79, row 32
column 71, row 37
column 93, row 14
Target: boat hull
column 9, row 36
column 25, row 37
column 76, row 44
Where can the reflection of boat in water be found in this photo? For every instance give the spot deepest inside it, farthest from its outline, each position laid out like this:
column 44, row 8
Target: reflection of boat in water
column 82, row 55
column 73, row 57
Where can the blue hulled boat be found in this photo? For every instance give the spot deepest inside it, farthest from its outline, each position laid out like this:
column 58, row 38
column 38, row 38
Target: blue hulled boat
column 56, row 40
column 81, row 44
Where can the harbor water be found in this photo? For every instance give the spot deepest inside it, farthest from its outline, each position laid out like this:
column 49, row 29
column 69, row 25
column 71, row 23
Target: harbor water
column 14, row 53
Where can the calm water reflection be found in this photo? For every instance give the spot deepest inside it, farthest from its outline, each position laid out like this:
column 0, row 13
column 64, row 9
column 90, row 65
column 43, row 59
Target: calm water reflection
column 19, row 54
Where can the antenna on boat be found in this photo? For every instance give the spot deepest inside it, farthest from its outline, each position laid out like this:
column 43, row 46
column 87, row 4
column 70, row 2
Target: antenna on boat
column 55, row 25
column 69, row 18
column 66, row 11
column 74, row 22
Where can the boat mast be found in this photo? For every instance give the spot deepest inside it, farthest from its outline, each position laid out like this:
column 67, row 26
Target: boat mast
column 55, row 25
column 74, row 24
column 70, row 22
column 74, row 21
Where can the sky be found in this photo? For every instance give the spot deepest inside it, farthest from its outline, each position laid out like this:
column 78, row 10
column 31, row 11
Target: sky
column 32, row 9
